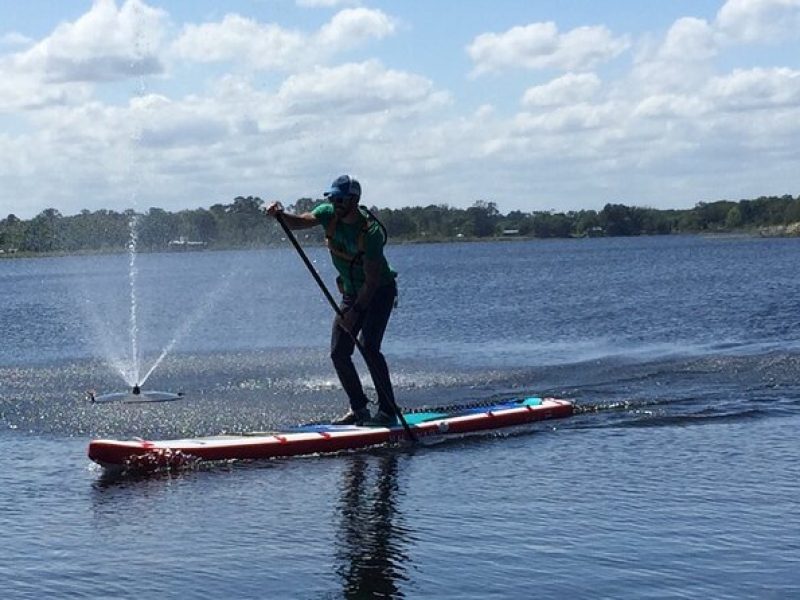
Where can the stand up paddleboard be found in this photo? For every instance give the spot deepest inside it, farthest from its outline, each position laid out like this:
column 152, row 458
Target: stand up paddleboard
column 323, row 438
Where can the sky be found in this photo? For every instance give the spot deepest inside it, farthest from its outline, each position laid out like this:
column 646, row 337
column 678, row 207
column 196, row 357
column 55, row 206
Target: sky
column 530, row 104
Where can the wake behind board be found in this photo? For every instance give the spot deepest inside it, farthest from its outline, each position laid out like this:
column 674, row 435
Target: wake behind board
column 324, row 438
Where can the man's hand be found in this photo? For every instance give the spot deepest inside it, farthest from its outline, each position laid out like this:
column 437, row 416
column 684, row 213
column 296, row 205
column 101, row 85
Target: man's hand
column 274, row 209
column 304, row 221
column 348, row 320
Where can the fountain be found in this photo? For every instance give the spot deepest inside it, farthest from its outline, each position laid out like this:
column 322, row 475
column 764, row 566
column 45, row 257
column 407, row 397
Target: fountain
column 132, row 369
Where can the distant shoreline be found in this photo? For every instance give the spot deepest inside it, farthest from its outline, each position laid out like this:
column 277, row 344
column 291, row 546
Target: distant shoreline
column 242, row 224
column 398, row 242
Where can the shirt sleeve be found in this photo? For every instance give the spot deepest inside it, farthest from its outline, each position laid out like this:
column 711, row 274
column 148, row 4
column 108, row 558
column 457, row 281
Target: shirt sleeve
column 323, row 213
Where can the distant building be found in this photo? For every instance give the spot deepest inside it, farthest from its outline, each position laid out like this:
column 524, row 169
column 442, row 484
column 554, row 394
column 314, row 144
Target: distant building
column 185, row 244
column 510, row 232
column 595, row 232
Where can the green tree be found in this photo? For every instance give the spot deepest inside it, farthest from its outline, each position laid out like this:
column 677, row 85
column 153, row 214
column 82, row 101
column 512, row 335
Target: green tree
column 655, row 222
column 792, row 213
column 733, row 219
column 13, row 229
column 304, row 205
column 44, row 232
column 550, row 225
column 157, row 228
column 712, row 215
column 481, row 218
column 205, row 226
column 398, row 223
column 618, row 219
column 434, row 221
column 586, row 222
column 516, row 219
column 246, row 220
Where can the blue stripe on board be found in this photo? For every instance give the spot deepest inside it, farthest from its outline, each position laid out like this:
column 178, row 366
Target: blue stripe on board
column 500, row 406
column 320, row 428
column 422, row 417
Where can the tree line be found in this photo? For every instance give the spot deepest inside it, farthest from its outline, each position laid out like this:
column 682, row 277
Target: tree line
column 242, row 224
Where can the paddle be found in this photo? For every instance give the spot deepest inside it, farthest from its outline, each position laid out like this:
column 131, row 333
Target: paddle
column 332, row 301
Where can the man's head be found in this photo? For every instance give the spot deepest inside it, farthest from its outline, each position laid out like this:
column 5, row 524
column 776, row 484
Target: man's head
column 345, row 193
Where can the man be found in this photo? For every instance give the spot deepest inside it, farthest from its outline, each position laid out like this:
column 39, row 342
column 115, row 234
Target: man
column 367, row 282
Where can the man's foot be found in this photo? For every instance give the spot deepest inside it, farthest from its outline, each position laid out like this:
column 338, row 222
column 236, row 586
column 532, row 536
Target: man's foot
column 353, row 417
column 384, row 419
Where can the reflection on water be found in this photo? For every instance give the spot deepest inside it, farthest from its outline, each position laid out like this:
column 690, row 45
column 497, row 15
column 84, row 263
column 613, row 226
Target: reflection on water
column 372, row 558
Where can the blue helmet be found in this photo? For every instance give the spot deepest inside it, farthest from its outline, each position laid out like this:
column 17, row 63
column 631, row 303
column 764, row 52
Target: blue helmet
column 343, row 187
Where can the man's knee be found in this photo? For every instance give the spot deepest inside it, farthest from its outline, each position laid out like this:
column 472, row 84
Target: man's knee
column 341, row 355
column 372, row 351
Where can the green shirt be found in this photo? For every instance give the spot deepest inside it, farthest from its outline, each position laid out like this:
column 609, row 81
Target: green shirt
column 346, row 237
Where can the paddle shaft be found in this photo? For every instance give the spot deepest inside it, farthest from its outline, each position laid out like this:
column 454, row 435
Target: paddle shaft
column 335, row 306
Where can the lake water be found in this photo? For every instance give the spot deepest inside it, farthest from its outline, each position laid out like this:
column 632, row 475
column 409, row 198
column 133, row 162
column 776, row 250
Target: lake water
column 678, row 479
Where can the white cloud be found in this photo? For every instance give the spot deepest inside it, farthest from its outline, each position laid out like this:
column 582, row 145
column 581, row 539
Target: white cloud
column 671, row 106
column 565, row 119
column 20, row 90
column 15, row 39
column 689, row 40
column 682, row 61
column 354, row 88
column 23, row 90
column 160, row 150
column 354, row 26
column 756, row 89
column 541, row 46
column 105, row 44
column 265, row 46
column 760, row 21
column 567, row 89
column 161, row 122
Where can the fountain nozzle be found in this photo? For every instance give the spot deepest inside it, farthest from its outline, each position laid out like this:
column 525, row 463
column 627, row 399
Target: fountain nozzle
column 136, row 390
